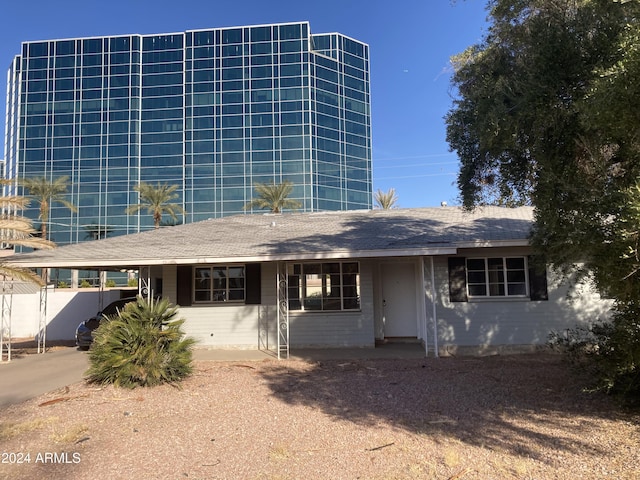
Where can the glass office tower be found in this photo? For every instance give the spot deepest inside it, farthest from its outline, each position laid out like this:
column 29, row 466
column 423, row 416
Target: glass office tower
column 211, row 111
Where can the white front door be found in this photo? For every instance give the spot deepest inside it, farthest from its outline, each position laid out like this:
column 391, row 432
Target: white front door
column 399, row 300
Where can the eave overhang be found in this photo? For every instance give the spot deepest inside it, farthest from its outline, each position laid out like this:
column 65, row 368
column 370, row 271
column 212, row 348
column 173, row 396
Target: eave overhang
column 342, row 254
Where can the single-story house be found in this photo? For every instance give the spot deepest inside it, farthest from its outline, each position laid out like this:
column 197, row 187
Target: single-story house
column 451, row 279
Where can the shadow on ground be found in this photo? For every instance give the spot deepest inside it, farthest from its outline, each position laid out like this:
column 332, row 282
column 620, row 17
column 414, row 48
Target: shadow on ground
column 524, row 404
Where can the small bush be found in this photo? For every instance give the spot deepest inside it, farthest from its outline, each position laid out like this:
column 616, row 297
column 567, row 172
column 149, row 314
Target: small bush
column 110, row 283
column 142, row 346
column 608, row 352
column 85, row 284
column 63, row 284
column 132, row 282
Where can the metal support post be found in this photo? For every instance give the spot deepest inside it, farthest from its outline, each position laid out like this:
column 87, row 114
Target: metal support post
column 5, row 327
column 101, row 281
column 144, row 282
column 42, row 326
column 283, row 311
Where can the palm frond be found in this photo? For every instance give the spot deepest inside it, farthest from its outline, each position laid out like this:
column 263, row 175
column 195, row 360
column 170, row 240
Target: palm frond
column 132, row 209
column 274, row 197
column 13, row 202
column 50, row 191
column 17, row 230
column 20, row 273
column 386, row 200
column 156, row 199
column 17, row 224
column 30, row 242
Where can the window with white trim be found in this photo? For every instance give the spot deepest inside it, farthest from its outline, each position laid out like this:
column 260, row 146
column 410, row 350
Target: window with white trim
column 324, row 286
column 220, row 283
column 497, row 277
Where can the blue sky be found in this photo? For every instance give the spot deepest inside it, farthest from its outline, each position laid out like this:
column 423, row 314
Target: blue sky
column 410, row 41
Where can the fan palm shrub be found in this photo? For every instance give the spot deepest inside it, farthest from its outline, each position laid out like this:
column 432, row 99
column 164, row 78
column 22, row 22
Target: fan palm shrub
column 143, row 345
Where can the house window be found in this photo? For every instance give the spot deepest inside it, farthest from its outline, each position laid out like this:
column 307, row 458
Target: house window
column 330, row 286
column 219, row 284
column 497, row 277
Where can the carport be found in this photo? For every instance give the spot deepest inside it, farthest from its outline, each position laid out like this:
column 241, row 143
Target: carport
column 11, row 287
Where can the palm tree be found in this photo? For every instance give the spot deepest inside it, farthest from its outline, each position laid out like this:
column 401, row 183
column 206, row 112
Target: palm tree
column 46, row 194
column 273, row 197
column 156, row 200
column 18, row 230
column 386, row 200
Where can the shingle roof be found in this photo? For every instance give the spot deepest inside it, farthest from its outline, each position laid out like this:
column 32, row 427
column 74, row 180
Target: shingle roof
column 370, row 233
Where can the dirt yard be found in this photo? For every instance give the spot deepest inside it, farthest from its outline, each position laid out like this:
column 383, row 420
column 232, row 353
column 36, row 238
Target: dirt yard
column 501, row 417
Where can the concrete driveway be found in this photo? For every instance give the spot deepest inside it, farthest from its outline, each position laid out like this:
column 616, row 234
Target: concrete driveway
column 34, row 374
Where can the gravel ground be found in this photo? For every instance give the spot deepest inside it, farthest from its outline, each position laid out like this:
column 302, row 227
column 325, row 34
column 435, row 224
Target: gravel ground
column 496, row 417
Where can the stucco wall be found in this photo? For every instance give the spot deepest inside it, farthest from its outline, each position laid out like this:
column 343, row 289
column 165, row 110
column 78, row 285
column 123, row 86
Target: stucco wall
column 66, row 308
column 485, row 323
column 229, row 325
column 248, row 326
column 482, row 324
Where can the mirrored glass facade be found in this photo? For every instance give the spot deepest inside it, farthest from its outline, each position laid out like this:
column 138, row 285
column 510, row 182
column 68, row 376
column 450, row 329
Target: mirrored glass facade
column 211, row 111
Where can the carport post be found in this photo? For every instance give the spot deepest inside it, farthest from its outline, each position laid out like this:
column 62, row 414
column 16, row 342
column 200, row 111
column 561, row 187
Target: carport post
column 144, row 282
column 42, row 327
column 5, row 327
column 101, row 283
column 283, row 311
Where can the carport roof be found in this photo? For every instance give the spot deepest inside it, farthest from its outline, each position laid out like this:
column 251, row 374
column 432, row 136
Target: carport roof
column 302, row 236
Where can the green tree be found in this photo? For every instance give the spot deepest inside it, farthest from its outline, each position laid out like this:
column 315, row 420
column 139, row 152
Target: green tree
column 547, row 113
column 274, row 197
column 144, row 345
column 46, row 193
column 386, row 200
column 157, row 201
column 16, row 230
